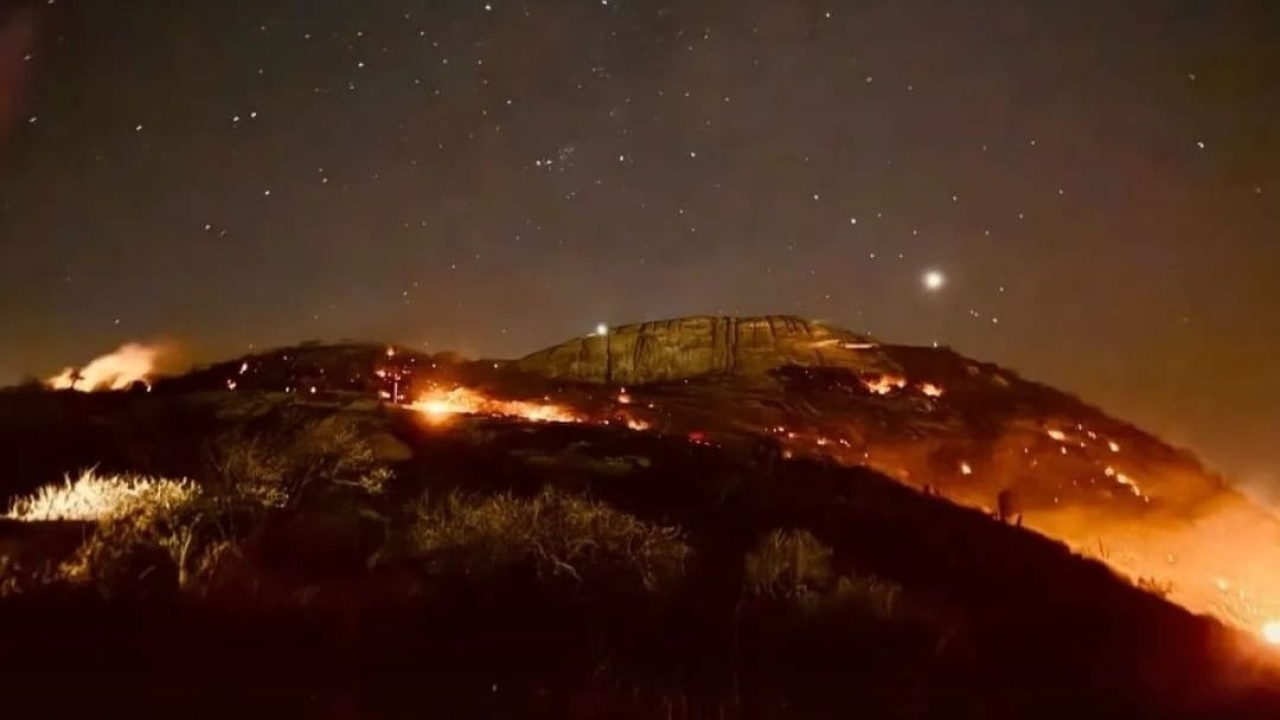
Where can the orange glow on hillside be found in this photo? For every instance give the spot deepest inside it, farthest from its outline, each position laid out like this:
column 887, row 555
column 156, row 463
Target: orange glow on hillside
column 440, row 405
column 118, row 370
column 884, row 384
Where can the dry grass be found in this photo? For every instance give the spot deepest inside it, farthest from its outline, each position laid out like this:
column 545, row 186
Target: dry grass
column 97, row 498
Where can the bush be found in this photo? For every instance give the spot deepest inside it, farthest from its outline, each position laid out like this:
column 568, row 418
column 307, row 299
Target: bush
column 130, row 556
column 874, row 595
column 281, row 455
column 789, row 564
column 149, row 535
column 17, row 577
column 556, row 533
column 793, row 566
column 1160, row 588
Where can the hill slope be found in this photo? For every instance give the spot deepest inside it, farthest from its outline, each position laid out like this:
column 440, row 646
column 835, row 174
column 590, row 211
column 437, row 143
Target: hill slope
column 585, row 570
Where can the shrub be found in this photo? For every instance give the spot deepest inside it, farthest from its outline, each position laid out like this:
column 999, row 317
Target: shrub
column 558, row 534
column 149, row 534
column 875, row 595
column 793, row 566
column 279, row 456
column 129, row 556
column 789, row 564
column 17, row 577
column 1160, row 588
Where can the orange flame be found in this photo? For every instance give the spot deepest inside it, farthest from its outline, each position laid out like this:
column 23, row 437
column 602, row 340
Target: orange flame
column 884, row 384
column 118, row 370
column 440, row 405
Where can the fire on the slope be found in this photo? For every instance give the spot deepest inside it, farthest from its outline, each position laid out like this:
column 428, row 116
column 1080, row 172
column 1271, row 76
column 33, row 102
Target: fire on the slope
column 438, row 405
column 119, row 370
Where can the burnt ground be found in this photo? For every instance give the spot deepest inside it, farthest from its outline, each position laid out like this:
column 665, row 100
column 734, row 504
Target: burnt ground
column 993, row 621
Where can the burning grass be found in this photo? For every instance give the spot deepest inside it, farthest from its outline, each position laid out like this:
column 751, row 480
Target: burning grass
column 118, row 370
column 439, row 405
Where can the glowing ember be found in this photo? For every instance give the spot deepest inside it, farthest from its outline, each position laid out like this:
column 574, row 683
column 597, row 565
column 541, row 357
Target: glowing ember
column 1128, row 482
column 1056, row 435
column 965, row 469
column 884, row 384
column 1115, row 447
column 931, row 390
column 439, row 405
column 115, row 371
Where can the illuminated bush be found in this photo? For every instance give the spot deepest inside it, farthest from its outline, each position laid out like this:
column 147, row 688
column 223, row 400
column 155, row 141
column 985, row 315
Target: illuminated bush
column 558, row 534
column 94, row 498
column 281, row 456
column 794, row 566
column 788, row 564
column 149, row 534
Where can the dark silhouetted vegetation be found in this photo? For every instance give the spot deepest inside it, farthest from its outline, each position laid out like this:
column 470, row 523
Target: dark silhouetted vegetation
column 505, row 570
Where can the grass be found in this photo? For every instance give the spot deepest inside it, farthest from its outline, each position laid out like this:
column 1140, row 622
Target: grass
column 97, row 498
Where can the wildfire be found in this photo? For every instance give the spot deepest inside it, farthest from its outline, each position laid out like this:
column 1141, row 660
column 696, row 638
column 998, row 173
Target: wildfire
column 118, row 370
column 884, row 384
column 440, row 405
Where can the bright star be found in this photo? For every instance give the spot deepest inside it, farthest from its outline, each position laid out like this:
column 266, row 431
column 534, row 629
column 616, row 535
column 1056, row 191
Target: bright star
column 602, row 329
column 934, row 280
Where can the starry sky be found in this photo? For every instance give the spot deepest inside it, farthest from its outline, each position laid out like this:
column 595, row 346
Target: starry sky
column 1095, row 183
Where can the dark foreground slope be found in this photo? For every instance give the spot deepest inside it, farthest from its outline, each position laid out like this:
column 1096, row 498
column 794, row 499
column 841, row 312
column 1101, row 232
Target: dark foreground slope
column 583, row 571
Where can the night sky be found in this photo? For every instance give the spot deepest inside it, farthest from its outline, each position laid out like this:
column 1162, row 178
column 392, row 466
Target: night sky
column 1095, row 181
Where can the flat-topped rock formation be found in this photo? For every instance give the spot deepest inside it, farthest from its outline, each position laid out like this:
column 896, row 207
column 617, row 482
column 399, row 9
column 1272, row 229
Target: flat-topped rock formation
column 699, row 346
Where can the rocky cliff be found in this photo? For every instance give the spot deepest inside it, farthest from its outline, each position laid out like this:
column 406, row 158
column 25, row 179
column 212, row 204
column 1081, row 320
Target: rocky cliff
column 704, row 345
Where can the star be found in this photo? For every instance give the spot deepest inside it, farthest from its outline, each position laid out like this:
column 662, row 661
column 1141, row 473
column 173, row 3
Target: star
column 933, row 280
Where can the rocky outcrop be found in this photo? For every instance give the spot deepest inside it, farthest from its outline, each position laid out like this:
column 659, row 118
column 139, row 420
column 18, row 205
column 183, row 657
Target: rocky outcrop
column 705, row 345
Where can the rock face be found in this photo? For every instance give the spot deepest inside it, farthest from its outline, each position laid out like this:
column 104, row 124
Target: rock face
column 699, row 346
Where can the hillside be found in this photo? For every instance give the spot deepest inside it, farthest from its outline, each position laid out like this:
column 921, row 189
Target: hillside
column 771, row 518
